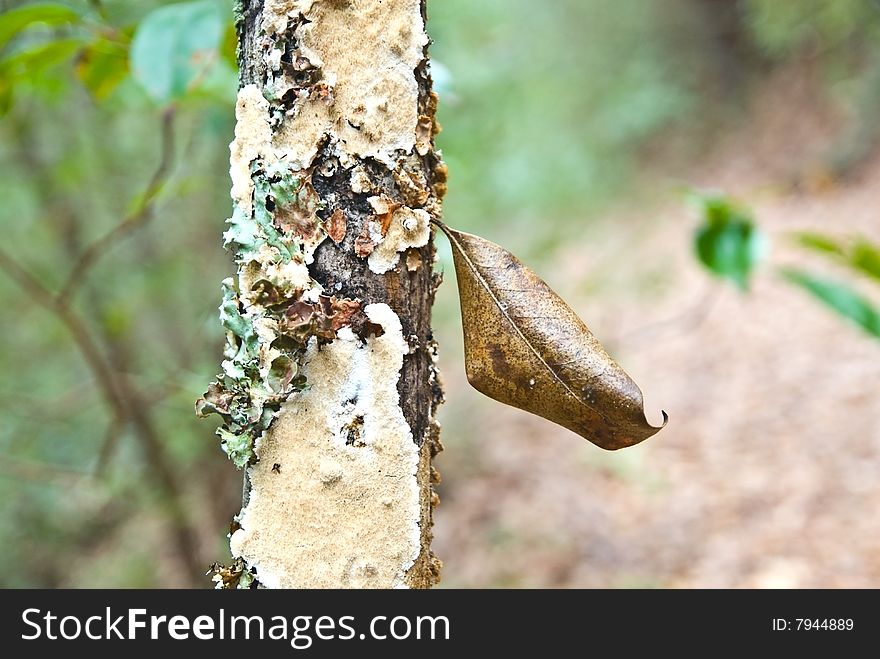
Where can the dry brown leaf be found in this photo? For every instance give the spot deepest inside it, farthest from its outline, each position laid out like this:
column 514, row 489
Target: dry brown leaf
column 525, row 347
column 363, row 244
column 383, row 210
column 413, row 260
column 336, row 225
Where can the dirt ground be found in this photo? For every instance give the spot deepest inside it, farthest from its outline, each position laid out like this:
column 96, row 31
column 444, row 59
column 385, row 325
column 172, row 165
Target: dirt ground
column 768, row 474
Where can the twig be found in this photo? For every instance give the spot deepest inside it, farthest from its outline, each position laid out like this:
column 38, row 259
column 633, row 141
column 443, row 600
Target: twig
column 108, row 445
column 78, row 331
column 161, row 465
column 15, row 468
column 136, row 219
column 99, row 7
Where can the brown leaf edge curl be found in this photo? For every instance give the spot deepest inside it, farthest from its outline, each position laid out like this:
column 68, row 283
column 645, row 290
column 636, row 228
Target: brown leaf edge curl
column 524, row 346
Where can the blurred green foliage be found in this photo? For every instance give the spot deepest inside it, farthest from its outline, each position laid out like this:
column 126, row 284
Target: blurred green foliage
column 548, row 110
column 858, row 253
column 727, row 242
column 783, row 28
column 80, row 142
column 860, row 256
column 176, row 47
column 840, row 298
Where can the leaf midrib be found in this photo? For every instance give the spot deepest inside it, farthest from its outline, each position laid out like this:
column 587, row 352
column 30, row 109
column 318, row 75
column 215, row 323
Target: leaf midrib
column 457, row 245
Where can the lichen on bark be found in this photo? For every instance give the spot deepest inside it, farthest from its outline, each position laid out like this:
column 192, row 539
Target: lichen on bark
column 329, row 385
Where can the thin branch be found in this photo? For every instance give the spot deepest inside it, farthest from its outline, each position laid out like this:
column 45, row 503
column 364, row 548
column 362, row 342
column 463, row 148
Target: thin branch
column 99, row 7
column 17, row 469
column 28, row 283
column 77, row 329
column 134, row 220
column 108, row 445
column 162, row 467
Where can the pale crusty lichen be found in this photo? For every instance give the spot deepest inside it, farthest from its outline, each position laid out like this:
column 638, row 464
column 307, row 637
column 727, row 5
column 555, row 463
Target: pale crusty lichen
column 253, row 139
column 277, row 13
column 360, row 181
column 366, row 52
column 345, row 481
column 408, row 228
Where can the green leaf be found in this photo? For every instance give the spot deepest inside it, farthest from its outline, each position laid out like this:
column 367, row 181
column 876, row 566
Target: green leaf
column 860, row 255
column 839, row 297
column 175, row 47
column 865, row 257
column 101, row 66
column 218, row 86
column 728, row 243
column 820, row 243
column 48, row 13
column 38, row 67
column 32, row 63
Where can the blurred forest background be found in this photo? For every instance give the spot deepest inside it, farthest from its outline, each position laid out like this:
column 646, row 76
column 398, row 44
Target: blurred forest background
column 584, row 135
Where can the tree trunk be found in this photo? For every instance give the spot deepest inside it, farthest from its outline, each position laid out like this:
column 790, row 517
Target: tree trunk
column 330, row 372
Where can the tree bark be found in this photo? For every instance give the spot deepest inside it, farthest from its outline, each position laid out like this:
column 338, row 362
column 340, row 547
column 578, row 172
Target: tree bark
column 334, row 139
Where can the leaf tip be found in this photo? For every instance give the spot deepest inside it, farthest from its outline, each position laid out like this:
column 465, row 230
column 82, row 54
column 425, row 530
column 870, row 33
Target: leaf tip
column 665, row 421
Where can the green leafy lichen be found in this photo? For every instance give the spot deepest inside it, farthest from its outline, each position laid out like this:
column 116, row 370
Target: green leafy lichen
column 263, row 218
column 245, row 580
column 250, row 233
column 240, row 395
column 243, row 236
column 239, row 447
column 238, row 13
column 269, row 326
column 234, row 322
column 284, row 187
column 261, row 371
